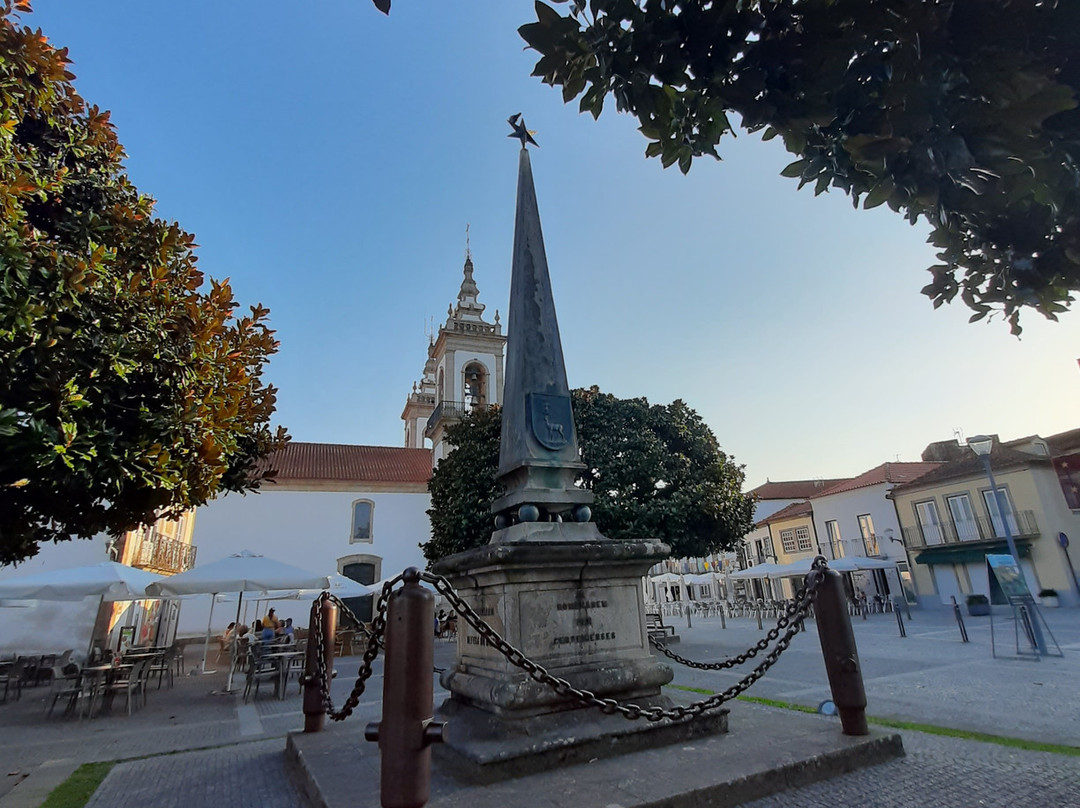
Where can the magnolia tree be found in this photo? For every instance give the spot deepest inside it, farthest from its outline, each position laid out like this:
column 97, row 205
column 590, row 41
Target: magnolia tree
column 959, row 112
column 129, row 388
column 656, row 472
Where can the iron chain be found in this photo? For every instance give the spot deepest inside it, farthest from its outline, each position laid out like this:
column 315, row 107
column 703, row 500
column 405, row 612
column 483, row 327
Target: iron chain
column 789, row 623
column 371, row 652
column 791, row 620
column 793, row 616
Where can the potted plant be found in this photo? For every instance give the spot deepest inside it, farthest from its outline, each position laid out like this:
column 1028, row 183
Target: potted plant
column 978, row 605
column 1048, row 598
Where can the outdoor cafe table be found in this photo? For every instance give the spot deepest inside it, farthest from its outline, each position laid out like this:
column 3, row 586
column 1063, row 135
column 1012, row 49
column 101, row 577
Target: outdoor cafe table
column 281, row 661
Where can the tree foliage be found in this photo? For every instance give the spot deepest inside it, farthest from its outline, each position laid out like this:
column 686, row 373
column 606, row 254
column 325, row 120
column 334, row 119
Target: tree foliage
column 127, row 388
column 962, row 112
column 656, row 471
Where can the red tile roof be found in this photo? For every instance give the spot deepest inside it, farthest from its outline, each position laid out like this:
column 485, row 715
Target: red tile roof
column 795, row 509
column 348, row 463
column 793, row 489
column 969, row 464
column 896, row 473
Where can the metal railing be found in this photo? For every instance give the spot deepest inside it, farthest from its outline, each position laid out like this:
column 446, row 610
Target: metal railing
column 162, row 553
column 450, row 410
column 1022, row 524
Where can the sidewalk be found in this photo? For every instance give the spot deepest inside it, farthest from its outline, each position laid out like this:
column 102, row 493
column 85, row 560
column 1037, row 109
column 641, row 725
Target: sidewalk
column 929, row 677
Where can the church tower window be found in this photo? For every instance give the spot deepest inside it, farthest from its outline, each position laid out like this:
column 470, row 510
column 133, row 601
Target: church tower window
column 475, row 387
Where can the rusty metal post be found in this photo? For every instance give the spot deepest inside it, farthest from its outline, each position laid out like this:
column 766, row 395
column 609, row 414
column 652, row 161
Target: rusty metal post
column 314, row 710
column 841, row 655
column 407, row 729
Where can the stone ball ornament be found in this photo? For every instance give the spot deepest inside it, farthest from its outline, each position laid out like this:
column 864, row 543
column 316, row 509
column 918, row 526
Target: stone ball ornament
column 528, row 513
column 501, row 521
column 582, row 513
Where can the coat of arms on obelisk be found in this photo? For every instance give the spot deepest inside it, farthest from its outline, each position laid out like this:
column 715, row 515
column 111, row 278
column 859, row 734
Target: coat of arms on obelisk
column 551, row 420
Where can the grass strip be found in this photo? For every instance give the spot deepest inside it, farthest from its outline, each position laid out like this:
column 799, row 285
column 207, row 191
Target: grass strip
column 929, row 729
column 77, row 790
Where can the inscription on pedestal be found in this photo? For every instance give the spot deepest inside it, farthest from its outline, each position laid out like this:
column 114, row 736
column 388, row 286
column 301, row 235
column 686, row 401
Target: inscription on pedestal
column 579, row 621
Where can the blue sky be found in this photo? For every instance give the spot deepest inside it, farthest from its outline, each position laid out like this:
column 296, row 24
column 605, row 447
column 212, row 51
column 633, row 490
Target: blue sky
column 328, row 159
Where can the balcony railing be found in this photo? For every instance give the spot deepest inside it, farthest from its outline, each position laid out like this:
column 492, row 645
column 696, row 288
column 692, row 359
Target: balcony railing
column 1022, row 524
column 162, row 554
column 448, row 410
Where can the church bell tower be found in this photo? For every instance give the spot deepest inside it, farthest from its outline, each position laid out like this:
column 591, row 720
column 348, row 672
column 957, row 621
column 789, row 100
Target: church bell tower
column 463, row 372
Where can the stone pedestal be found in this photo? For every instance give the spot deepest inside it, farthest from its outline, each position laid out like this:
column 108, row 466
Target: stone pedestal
column 574, row 607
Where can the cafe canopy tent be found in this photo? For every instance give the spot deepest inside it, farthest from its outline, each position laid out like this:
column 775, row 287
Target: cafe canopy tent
column 243, row 572
column 108, row 581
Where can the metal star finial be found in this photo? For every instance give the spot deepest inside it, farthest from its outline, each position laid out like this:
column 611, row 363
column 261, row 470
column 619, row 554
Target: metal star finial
column 520, row 132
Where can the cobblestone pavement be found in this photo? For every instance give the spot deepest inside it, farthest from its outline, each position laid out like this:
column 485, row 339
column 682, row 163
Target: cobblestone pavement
column 248, row 775
column 929, row 677
column 947, row 773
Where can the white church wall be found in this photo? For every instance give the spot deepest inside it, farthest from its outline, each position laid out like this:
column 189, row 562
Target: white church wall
column 308, row 529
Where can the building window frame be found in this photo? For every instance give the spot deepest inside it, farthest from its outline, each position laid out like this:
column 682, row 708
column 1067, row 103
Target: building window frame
column 803, row 540
column 866, row 531
column 362, row 524
column 933, row 532
column 787, row 540
column 836, row 544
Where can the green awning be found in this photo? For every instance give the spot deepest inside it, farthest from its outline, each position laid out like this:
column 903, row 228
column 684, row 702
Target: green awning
column 969, row 552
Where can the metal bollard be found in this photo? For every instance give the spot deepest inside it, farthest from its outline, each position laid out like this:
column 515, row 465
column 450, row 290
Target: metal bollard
column 314, row 709
column 407, row 730
column 959, row 618
column 900, row 621
column 723, row 620
column 841, row 655
column 688, row 624
column 759, row 618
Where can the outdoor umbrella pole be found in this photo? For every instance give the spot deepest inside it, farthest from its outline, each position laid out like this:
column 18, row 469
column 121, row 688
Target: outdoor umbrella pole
column 206, row 645
column 232, row 667
column 90, row 649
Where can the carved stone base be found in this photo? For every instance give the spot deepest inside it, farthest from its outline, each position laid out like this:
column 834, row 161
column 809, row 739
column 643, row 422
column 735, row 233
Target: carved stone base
column 482, row 748
column 575, row 608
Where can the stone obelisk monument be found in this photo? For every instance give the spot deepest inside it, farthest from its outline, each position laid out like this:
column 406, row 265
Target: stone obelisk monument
column 548, row 581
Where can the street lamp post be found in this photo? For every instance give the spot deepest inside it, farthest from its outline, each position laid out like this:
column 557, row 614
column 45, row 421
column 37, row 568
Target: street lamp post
column 981, row 445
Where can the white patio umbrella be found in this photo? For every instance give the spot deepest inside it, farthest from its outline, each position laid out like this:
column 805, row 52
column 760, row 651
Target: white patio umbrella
column 243, row 572
column 108, row 581
column 756, row 571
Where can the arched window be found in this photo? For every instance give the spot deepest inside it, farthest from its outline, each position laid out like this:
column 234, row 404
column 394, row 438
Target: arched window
column 363, row 516
column 475, row 386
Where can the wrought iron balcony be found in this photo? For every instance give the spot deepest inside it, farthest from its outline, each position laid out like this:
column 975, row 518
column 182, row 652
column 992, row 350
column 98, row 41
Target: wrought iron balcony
column 162, row 553
column 445, row 410
column 1022, row 524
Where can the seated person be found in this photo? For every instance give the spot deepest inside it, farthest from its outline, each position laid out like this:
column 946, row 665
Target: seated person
column 287, row 633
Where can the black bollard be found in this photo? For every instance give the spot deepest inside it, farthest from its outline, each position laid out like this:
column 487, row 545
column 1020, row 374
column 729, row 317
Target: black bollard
column 407, row 730
column 723, row 620
column 959, row 618
column 900, row 621
column 314, row 710
column 841, row 655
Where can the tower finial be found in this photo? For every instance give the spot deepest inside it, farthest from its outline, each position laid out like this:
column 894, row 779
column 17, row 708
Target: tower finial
column 468, row 252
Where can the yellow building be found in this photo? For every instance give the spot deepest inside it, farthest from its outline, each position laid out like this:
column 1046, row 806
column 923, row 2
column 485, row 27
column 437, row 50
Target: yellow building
column 792, row 538
column 950, row 518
